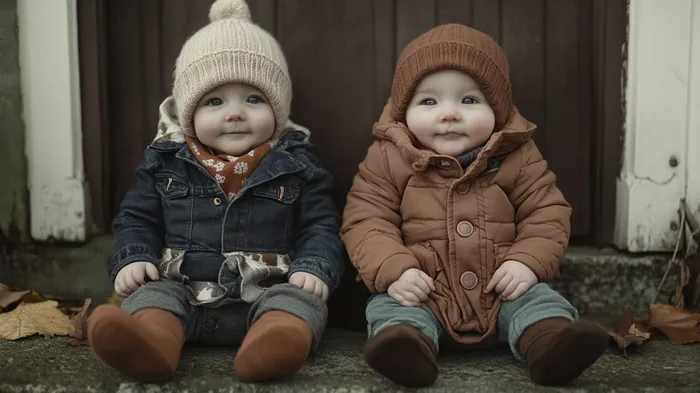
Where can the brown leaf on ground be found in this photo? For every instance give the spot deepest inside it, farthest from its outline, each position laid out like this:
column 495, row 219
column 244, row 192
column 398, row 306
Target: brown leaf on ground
column 79, row 321
column 115, row 299
column 630, row 334
column 35, row 297
column 9, row 297
column 34, row 318
column 66, row 307
column 679, row 325
column 69, row 309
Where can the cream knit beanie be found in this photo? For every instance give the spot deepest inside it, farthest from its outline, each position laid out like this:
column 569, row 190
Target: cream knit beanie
column 231, row 49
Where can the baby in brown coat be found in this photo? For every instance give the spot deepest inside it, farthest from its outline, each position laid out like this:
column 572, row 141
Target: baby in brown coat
column 455, row 223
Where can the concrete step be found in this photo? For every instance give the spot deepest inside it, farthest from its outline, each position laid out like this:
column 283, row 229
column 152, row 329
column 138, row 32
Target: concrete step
column 602, row 283
column 594, row 280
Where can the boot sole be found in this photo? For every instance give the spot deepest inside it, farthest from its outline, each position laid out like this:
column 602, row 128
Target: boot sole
column 275, row 367
column 583, row 345
column 402, row 359
column 139, row 360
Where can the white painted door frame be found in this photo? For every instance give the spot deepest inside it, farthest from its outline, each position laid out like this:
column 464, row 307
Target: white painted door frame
column 662, row 126
column 48, row 49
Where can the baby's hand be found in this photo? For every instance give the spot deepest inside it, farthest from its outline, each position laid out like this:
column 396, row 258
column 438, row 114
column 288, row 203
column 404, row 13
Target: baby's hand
column 511, row 280
column 132, row 276
column 412, row 288
column 310, row 283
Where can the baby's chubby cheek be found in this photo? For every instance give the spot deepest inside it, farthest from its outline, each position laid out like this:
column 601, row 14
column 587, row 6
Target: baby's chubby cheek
column 421, row 128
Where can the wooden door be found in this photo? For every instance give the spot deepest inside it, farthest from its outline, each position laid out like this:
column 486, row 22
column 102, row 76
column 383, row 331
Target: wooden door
column 565, row 57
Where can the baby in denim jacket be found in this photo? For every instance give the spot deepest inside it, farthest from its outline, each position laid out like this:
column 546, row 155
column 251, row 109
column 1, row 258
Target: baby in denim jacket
column 228, row 235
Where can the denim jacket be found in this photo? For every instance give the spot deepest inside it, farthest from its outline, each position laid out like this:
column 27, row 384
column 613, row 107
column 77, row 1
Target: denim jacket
column 284, row 208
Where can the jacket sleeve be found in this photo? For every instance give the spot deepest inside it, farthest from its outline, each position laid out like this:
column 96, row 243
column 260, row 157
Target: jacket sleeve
column 318, row 248
column 371, row 224
column 542, row 216
column 138, row 229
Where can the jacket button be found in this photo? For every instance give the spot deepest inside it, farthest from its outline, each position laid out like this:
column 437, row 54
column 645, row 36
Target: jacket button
column 469, row 280
column 445, row 164
column 465, row 228
column 217, row 201
column 463, row 188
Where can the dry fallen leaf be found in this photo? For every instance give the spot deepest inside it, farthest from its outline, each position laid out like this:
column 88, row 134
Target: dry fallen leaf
column 34, row 318
column 69, row 310
column 679, row 325
column 35, row 297
column 639, row 328
column 8, row 297
column 66, row 307
column 626, row 342
column 78, row 336
column 630, row 334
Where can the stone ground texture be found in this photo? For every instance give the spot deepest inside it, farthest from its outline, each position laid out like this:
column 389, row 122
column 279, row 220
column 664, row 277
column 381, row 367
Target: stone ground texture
column 50, row 365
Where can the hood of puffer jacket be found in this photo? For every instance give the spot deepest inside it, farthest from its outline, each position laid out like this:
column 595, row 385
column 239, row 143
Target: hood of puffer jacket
column 516, row 131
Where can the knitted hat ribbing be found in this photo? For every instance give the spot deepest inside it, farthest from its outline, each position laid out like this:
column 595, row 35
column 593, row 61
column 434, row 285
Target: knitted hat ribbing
column 457, row 47
column 231, row 49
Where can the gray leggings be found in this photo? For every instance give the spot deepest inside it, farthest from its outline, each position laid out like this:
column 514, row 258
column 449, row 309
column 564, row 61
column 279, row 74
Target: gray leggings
column 538, row 303
column 228, row 325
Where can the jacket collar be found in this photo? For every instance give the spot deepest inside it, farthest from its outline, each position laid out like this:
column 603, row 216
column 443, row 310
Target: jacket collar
column 279, row 161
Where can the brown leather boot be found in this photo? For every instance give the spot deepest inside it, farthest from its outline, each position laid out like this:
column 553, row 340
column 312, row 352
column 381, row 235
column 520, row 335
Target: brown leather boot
column 558, row 351
column 145, row 346
column 276, row 346
column 404, row 355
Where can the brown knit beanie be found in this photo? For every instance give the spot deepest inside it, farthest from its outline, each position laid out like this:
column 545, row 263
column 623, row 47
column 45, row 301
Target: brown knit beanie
column 456, row 47
column 231, row 49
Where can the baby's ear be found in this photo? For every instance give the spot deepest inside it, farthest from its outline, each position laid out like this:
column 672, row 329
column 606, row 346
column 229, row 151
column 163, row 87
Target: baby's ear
column 386, row 113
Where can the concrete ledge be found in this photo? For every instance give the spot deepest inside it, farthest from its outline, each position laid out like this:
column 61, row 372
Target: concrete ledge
column 611, row 282
column 595, row 281
column 67, row 271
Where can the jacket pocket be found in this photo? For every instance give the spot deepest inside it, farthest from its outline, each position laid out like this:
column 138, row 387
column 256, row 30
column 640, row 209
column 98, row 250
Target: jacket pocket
column 170, row 186
column 177, row 204
column 273, row 217
column 285, row 194
column 427, row 257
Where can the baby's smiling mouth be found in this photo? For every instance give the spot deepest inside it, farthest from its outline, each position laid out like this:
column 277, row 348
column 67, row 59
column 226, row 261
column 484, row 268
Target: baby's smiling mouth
column 235, row 132
column 451, row 134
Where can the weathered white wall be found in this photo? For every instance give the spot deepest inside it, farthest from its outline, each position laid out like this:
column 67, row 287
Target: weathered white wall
column 662, row 124
column 51, row 101
column 693, row 145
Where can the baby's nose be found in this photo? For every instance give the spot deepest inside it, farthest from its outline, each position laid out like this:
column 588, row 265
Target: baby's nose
column 235, row 115
column 450, row 115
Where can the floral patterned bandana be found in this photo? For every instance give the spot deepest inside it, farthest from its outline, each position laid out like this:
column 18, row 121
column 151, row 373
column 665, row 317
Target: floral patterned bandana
column 228, row 171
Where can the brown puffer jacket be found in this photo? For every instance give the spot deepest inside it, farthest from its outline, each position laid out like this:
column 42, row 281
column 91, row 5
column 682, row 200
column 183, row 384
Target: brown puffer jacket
column 412, row 208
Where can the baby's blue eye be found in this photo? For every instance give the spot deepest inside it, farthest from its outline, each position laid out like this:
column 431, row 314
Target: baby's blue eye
column 255, row 100
column 428, row 101
column 214, row 102
column 469, row 100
